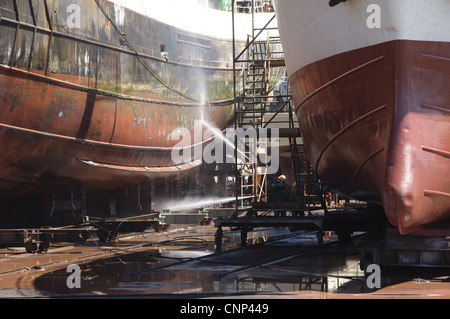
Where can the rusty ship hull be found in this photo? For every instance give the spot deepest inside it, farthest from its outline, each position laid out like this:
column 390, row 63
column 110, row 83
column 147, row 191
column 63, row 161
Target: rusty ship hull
column 86, row 138
column 98, row 102
column 373, row 103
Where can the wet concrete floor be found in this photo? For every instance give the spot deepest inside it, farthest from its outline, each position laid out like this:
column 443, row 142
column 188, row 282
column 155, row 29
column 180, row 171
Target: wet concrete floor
column 183, row 262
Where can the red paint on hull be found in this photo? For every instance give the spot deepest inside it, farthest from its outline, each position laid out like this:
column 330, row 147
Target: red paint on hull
column 376, row 125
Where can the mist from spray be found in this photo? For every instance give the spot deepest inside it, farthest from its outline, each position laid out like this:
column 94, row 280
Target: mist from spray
column 191, row 203
column 221, row 136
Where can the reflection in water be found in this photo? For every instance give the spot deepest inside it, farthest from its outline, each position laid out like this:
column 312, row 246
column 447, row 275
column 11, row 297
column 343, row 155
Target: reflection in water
column 316, row 283
column 188, row 265
column 202, row 280
column 241, row 271
column 303, row 273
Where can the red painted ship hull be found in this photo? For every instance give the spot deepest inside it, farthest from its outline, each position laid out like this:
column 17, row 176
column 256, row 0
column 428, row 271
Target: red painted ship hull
column 376, row 124
column 370, row 84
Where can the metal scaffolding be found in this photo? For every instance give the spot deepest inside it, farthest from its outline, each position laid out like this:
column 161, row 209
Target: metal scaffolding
column 264, row 104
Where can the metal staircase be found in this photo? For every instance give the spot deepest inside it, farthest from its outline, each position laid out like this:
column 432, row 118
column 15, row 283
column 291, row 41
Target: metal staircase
column 264, row 105
column 250, row 114
column 261, row 60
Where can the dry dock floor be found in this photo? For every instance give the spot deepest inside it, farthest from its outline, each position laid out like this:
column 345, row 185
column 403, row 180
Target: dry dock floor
column 182, row 262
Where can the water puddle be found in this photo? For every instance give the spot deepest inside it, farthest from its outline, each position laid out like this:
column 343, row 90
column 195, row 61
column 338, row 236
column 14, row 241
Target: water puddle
column 185, row 269
column 193, row 267
column 114, row 276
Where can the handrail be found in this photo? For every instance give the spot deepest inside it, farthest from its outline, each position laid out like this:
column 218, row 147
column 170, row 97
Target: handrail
column 253, row 40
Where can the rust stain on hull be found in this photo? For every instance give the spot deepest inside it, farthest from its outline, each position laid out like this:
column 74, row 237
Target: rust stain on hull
column 78, row 107
column 45, row 138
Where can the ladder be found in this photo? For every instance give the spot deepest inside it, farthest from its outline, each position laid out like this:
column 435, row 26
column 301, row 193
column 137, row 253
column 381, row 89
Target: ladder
column 258, row 107
column 254, row 104
column 256, row 98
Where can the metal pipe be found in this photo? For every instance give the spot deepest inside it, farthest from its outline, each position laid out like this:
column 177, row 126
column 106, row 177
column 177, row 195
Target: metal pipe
column 236, row 172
